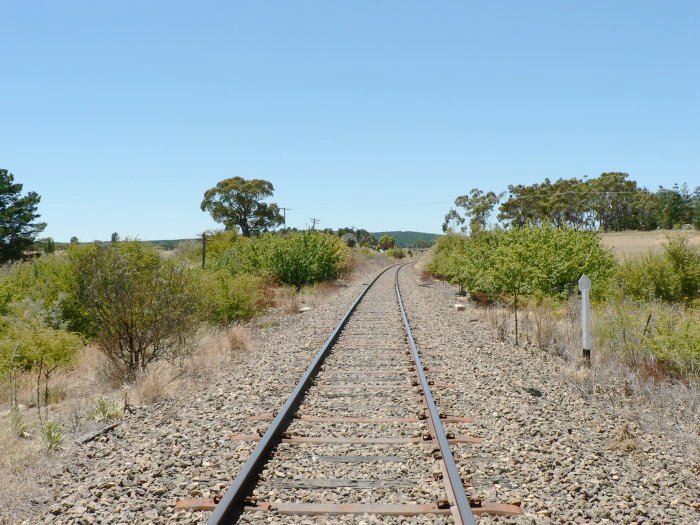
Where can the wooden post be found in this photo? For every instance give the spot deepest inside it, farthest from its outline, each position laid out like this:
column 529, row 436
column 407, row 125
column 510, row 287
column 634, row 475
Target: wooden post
column 584, row 284
column 204, row 249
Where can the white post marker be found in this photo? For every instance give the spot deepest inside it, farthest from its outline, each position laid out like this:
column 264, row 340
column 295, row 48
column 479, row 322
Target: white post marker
column 584, row 284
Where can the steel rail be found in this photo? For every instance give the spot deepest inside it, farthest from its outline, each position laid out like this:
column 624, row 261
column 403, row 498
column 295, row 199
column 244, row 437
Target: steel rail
column 463, row 508
column 232, row 503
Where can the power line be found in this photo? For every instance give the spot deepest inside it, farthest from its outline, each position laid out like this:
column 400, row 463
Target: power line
column 522, row 196
column 314, row 221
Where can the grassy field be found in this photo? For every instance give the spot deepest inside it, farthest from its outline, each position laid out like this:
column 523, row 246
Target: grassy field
column 631, row 244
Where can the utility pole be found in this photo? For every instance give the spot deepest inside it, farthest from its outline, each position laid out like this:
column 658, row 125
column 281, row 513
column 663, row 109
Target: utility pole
column 314, row 221
column 204, row 249
column 284, row 215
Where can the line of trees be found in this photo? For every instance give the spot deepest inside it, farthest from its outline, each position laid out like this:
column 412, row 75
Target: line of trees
column 610, row 202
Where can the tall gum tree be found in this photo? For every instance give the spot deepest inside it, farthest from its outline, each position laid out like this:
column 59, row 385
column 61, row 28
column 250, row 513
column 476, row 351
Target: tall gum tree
column 238, row 203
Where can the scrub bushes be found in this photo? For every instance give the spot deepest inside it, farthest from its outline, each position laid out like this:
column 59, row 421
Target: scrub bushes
column 228, row 298
column 296, row 258
column 538, row 261
column 672, row 276
column 142, row 307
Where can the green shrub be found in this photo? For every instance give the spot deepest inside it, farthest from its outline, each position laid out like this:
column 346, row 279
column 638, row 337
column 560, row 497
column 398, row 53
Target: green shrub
column 396, row 253
column 539, row 261
column 671, row 276
column 443, row 263
column 219, row 242
column 305, row 257
column 49, row 281
column 216, row 243
column 142, row 306
column 227, row 298
column 28, row 342
column 245, row 255
column 675, row 341
column 295, row 258
column 661, row 338
column 386, row 242
column 105, row 410
column 52, row 435
column 685, row 261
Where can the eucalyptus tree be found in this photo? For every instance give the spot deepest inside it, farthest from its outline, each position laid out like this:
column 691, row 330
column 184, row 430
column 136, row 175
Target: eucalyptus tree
column 239, row 203
column 477, row 207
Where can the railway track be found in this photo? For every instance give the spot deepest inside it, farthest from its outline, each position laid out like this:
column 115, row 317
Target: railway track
column 360, row 433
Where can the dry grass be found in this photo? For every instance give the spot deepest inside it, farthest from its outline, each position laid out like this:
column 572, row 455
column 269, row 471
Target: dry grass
column 631, row 244
column 422, row 259
column 285, row 299
column 19, row 470
column 75, row 396
column 16, row 453
column 211, row 348
column 158, row 382
column 667, row 405
column 369, row 263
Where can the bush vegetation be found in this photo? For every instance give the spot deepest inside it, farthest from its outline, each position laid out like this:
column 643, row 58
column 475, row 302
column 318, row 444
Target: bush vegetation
column 105, row 410
column 537, row 261
column 297, row 258
column 141, row 306
column 138, row 307
column 658, row 338
column 529, row 261
column 52, row 435
column 644, row 309
column 28, row 342
column 229, row 298
column 396, row 253
column 672, row 276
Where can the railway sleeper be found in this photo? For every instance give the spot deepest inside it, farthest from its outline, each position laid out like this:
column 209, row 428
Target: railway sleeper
column 441, row 507
column 360, row 440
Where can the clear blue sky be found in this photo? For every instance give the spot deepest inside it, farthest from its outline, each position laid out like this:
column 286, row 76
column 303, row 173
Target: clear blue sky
column 375, row 114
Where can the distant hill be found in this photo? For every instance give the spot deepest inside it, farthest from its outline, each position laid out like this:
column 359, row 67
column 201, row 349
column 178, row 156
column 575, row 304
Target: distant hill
column 408, row 239
column 163, row 244
column 169, row 244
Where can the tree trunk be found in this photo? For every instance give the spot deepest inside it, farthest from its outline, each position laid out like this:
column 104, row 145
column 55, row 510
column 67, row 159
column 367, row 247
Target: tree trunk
column 46, row 393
